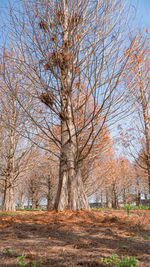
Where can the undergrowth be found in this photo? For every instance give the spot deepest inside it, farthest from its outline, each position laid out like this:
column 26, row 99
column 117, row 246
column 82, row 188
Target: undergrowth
column 116, row 262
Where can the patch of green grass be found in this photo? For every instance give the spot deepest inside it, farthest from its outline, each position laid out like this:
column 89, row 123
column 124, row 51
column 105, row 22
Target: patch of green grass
column 6, row 213
column 21, row 260
column 123, row 262
column 8, row 251
column 146, row 237
column 135, row 207
column 110, row 260
column 35, row 263
column 125, row 247
column 127, row 262
column 101, row 208
column 28, row 209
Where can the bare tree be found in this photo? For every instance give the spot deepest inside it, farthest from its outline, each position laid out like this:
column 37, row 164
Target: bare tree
column 138, row 83
column 72, row 55
column 13, row 148
column 141, row 182
column 50, row 182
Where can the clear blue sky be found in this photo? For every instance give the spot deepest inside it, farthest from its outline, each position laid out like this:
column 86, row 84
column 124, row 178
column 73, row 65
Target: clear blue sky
column 143, row 11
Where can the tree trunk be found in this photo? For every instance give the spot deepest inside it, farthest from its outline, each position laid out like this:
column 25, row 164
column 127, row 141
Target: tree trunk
column 8, row 203
column 49, row 203
column 28, row 203
column 138, row 198
column 21, row 204
column 145, row 196
column 33, row 203
column 50, row 196
column 9, row 199
column 114, row 198
column 149, row 184
column 124, row 197
column 145, row 109
column 71, row 194
column 37, row 206
column 97, row 199
column 102, row 203
column 108, row 203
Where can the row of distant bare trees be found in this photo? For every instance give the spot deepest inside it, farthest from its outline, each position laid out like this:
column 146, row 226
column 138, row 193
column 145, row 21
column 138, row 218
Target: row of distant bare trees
column 73, row 70
column 116, row 182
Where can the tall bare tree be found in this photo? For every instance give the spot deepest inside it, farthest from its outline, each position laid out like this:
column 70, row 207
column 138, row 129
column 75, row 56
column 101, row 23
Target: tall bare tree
column 13, row 148
column 72, row 55
column 138, row 83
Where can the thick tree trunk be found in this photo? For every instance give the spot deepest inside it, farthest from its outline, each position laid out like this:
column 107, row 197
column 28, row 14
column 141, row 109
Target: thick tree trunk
column 21, row 204
column 124, row 197
column 102, row 202
column 37, row 206
column 108, row 202
column 138, row 198
column 145, row 108
column 49, row 203
column 8, row 203
column 9, row 199
column 149, row 184
column 145, row 196
column 114, row 198
column 33, row 203
column 71, row 194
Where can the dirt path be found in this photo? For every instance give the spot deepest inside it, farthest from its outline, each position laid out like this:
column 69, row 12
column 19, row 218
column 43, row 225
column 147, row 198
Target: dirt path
column 73, row 239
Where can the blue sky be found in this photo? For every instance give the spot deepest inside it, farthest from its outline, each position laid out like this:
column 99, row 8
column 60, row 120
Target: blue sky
column 143, row 11
column 142, row 6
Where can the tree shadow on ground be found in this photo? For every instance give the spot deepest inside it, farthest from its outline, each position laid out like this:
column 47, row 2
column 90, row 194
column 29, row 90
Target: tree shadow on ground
column 74, row 240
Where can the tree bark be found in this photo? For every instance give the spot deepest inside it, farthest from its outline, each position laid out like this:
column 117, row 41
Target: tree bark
column 33, row 203
column 108, row 202
column 145, row 109
column 102, row 203
column 21, row 204
column 71, row 190
column 50, row 195
column 49, row 203
column 71, row 193
column 28, row 206
column 124, row 197
column 8, row 203
column 138, row 198
column 114, row 198
column 149, row 184
column 9, row 199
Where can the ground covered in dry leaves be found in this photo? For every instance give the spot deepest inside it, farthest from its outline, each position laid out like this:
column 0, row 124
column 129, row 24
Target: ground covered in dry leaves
column 41, row 238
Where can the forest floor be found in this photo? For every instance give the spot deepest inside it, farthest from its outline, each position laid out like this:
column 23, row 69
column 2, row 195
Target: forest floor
column 41, row 238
